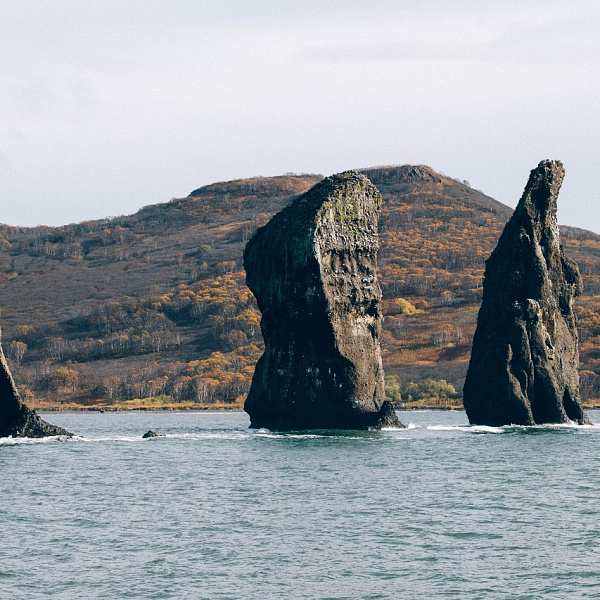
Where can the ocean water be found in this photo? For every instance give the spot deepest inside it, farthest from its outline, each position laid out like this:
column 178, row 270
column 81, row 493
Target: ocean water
column 215, row 510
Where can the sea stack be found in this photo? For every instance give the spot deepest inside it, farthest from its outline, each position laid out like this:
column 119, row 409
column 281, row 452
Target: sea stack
column 524, row 364
column 312, row 269
column 16, row 419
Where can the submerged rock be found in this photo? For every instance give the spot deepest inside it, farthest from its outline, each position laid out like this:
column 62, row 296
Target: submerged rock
column 16, row 419
column 312, row 269
column 150, row 434
column 524, row 364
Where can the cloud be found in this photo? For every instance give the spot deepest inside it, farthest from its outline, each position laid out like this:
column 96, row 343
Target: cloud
column 499, row 34
column 4, row 164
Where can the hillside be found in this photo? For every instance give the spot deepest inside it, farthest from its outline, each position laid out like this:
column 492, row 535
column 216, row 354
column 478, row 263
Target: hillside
column 155, row 304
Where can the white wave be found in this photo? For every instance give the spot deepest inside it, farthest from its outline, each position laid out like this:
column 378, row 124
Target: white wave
column 468, row 428
column 511, row 428
column 293, row 436
column 199, row 435
column 486, row 429
column 114, row 438
column 206, row 435
column 18, row 441
column 209, row 435
column 569, row 425
column 552, row 426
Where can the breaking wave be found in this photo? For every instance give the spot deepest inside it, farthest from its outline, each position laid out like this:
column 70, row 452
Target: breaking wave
column 20, row 441
column 511, row 428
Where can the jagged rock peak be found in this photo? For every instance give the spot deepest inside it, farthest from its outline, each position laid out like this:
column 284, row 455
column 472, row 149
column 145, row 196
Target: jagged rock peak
column 312, row 269
column 16, row 419
column 525, row 360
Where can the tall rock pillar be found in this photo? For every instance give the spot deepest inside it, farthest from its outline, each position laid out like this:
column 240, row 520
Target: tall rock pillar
column 524, row 364
column 312, row 269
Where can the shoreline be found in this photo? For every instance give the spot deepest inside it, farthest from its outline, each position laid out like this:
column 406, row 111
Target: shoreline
column 202, row 408
column 220, row 408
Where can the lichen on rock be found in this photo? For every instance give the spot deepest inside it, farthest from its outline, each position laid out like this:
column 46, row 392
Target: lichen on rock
column 312, row 269
column 16, row 419
column 525, row 359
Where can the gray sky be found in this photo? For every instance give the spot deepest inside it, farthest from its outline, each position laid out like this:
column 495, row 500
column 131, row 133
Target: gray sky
column 106, row 106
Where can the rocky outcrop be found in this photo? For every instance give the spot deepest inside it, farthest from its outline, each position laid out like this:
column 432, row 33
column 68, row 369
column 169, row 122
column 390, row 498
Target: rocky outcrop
column 524, row 363
column 312, row 269
column 150, row 434
column 16, row 419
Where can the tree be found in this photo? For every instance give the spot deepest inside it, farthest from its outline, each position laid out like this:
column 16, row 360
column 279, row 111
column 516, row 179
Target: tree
column 112, row 384
column 392, row 389
column 17, row 350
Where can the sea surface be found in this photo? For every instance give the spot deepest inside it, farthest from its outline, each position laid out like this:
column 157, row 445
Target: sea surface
column 215, row 510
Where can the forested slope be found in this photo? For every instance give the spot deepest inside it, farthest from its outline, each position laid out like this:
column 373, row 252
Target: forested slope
column 154, row 304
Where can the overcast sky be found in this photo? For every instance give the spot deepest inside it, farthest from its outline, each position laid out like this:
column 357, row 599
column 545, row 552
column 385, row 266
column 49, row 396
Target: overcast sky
column 106, row 106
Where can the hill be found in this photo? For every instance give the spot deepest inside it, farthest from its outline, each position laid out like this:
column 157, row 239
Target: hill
column 154, row 304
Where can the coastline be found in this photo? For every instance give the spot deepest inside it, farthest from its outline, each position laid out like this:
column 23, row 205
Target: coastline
column 215, row 407
column 197, row 408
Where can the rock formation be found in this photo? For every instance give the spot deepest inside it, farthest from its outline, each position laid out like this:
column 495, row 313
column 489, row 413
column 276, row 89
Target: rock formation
column 312, row 269
column 150, row 434
column 525, row 360
column 16, row 419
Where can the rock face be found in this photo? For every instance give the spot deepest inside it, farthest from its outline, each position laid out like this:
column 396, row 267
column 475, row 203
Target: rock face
column 525, row 360
column 312, row 269
column 16, row 419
